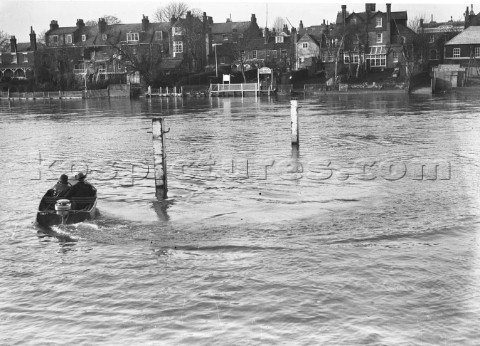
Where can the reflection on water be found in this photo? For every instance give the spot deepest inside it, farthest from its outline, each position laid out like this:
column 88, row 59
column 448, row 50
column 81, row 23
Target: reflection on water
column 367, row 233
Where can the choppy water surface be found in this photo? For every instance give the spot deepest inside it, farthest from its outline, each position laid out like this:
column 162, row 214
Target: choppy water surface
column 341, row 242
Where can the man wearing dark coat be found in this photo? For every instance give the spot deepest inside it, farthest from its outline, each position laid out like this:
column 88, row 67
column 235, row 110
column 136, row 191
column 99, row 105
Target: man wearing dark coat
column 82, row 188
column 61, row 187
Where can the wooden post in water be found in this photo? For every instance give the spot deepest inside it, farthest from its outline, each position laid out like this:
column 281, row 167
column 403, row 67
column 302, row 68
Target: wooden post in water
column 160, row 165
column 294, row 119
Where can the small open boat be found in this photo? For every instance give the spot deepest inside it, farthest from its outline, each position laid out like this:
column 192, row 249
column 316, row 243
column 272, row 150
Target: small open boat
column 58, row 210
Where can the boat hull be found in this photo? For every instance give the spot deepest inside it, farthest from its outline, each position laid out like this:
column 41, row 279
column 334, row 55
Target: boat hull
column 83, row 209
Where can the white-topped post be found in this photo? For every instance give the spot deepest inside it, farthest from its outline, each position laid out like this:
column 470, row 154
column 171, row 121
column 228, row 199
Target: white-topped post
column 159, row 162
column 294, row 120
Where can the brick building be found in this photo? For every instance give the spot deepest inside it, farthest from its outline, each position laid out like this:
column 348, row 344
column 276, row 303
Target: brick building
column 18, row 61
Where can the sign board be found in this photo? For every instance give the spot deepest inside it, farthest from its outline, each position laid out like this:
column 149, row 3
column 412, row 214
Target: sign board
column 226, row 78
column 265, row 70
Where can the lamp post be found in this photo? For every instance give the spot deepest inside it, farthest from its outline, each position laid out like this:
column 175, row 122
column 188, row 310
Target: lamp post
column 216, row 63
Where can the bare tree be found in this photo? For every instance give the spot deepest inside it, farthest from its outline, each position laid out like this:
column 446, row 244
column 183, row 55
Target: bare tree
column 146, row 60
column 4, row 40
column 108, row 18
column 278, row 24
column 172, row 9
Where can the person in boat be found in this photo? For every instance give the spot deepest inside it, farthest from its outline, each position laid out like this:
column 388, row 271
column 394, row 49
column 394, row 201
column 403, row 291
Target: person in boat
column 61, row 187
column 81, row 189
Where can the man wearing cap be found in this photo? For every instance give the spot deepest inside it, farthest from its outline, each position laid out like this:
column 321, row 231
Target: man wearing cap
column 61, row 187
column 82, row 188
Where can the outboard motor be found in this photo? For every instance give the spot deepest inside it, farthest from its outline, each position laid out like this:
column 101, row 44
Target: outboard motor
column 62, row 207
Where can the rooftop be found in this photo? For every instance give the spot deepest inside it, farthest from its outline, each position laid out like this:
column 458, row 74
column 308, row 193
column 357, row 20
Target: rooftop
column 471, row 35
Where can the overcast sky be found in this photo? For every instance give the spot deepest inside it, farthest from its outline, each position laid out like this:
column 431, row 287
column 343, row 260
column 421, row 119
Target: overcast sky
column 17, row 16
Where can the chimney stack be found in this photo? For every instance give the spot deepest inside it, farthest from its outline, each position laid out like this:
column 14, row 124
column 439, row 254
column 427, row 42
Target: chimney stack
column 253, row 19
column 13, row 44
column 389, row 19
column 145, row 23
column 80, row 23
column 53, row 25
column 102, row 25
column 33, row 40
column 344, row 15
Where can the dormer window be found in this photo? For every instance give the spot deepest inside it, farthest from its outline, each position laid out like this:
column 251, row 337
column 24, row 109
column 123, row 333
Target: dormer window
column 84, row 38
column 14, row 58
column 158, row 35
column 278, row 39
column 132, row 36
column 354, row 21
column 379, row 22
column 68, row 39
column 25, row 57
column 54, row 39
column 225, row 37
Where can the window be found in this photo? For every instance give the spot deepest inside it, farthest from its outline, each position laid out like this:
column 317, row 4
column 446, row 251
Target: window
column 14, row 58
column 176, row 30
column 379, row 21
column 254, row 54
column 158, row 35
column 177, row 46
column 1, row 61
column 395, row 57
column 55, row 39
column 278, row 39
column 456, row 52
column 132, row 36
column 84, row 38
column 432, row 39
column 68, row 39
column 25, row 57
column 354, row 21
column 477, row 52
column 221, row 60
column 352, row 59
column 305, row 45
column 225, row 37
column 274, row 53
column 377, row 56
column 104, row 37
column 379, row 37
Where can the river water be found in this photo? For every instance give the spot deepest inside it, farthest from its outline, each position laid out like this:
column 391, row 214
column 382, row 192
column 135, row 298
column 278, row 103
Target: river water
column 341, row 241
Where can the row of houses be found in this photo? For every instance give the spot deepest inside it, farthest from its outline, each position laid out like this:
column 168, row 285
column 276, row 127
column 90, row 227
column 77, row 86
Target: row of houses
column 372, row 38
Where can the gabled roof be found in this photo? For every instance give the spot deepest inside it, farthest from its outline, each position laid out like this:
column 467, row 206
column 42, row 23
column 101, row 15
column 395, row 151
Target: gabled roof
column 229, row 27
column 399, row 15
column 316, row 30
column 23, row 47
column 63, row 30
column 470, row 35
column 310, row 37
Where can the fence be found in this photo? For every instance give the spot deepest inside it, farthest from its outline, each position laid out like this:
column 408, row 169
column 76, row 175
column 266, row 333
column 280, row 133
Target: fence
column 42, row 95
column 195, row 89
column 166, row 91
